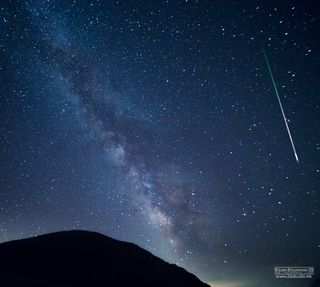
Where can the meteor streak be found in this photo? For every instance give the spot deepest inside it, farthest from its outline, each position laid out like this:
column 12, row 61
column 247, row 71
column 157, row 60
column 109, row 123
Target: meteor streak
column 279, row 100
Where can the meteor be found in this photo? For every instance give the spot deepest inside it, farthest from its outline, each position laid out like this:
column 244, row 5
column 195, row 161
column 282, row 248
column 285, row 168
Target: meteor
column 280, row 104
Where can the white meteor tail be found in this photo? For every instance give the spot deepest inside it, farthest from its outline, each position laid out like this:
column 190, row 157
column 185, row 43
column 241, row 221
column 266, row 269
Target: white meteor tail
column 279, row 100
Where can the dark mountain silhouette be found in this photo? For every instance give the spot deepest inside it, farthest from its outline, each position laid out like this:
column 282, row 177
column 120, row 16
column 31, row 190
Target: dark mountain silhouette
column 81, row 258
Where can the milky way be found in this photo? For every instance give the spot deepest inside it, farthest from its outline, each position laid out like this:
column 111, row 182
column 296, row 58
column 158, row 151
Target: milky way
column 154, row 122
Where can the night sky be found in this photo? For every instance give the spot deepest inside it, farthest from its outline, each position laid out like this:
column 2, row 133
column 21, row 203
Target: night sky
column 156, row 122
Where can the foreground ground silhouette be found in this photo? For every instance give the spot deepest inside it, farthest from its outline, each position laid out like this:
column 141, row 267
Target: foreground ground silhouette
column 81, row 258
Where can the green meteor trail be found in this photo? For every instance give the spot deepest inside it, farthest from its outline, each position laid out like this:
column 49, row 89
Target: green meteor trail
column 279, row 100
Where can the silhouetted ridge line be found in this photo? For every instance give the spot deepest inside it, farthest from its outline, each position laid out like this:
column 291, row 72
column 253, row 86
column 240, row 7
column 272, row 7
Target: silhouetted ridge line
column 82, row 258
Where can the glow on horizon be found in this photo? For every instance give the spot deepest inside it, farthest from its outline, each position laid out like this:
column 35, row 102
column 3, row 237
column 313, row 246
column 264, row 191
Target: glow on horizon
column 226, row 283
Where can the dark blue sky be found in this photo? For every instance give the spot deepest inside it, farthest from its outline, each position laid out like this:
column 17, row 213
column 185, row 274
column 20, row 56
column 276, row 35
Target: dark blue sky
column 156, row 122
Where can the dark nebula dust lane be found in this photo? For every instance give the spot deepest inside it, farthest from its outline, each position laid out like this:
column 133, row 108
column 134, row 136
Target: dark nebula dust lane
column 156, row 122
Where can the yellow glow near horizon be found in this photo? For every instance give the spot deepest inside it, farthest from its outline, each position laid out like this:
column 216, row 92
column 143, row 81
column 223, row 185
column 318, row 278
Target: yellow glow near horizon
column 226, row 284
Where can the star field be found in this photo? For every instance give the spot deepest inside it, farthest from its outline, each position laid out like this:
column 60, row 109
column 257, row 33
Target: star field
column 156, row 122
